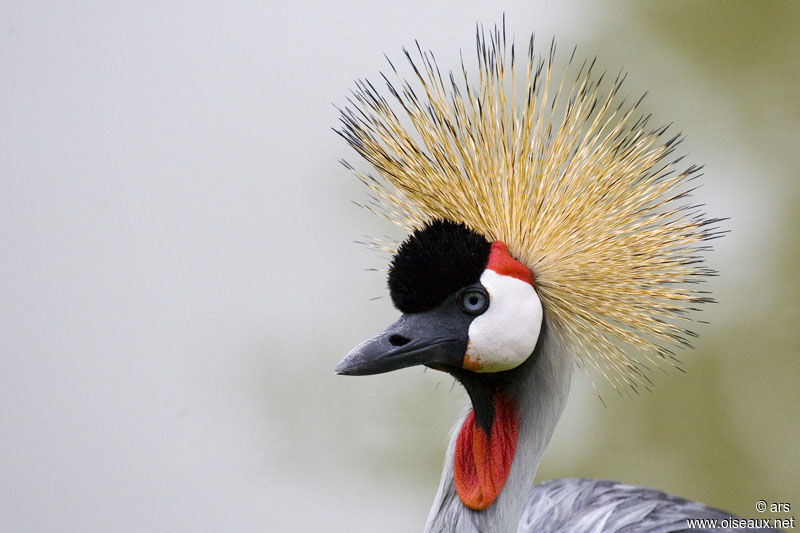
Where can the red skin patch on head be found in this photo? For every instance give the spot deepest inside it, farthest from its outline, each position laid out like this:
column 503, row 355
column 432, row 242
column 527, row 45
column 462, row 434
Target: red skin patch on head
column 501, row 262
column 481, row 462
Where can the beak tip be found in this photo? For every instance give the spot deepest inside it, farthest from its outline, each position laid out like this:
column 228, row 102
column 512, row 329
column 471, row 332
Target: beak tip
column 342, row 367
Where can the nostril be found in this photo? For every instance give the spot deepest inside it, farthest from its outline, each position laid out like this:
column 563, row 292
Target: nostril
column 398, row 340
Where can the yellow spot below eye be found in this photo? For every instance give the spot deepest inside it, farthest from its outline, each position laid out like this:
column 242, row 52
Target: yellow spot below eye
column 469, row 363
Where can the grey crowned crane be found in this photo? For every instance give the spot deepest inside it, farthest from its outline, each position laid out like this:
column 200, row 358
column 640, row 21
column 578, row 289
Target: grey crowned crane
column 548, row 227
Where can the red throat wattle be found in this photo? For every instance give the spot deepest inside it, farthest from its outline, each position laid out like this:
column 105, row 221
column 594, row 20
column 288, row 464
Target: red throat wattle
column 481, row 462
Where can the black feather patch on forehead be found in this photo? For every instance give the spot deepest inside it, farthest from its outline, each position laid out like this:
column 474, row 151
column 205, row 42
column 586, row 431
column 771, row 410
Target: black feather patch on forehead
column 433, row 263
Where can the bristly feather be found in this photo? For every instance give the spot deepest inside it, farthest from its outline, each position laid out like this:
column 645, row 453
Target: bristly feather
column 578, row 187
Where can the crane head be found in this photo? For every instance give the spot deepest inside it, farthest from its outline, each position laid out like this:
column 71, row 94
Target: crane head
column 571, row 180
column 466, row 304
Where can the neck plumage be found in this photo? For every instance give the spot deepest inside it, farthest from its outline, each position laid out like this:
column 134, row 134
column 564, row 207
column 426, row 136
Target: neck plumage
column 537, row 390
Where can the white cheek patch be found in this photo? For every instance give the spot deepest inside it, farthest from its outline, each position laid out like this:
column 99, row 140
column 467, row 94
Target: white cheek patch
column 506, row 334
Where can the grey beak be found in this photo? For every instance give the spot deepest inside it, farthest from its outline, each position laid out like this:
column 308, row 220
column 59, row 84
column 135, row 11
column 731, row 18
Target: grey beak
column 432, row 338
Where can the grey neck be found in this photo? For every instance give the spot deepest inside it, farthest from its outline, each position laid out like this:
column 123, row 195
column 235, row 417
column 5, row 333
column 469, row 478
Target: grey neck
column 540, row 392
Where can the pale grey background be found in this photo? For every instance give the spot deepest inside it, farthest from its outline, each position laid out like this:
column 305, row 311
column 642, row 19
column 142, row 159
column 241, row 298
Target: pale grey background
column 179, row 278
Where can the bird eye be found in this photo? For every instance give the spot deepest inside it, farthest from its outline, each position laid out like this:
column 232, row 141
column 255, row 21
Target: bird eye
column 474, row 301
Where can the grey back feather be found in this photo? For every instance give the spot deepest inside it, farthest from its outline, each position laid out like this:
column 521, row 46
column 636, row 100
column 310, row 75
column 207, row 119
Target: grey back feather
column 594, row 506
